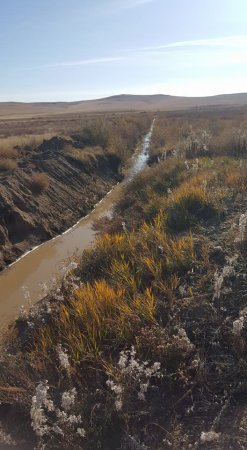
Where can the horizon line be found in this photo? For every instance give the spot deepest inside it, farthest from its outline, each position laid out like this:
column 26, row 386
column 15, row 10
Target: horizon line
column 121, row 95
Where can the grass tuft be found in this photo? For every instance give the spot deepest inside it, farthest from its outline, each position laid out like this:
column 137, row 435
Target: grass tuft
column 39, row 182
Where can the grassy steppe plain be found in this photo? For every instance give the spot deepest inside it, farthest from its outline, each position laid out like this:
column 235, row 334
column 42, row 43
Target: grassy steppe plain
column 143, row 344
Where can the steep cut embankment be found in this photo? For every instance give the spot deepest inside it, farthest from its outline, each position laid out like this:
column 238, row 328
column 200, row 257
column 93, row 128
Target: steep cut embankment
column 32, row 212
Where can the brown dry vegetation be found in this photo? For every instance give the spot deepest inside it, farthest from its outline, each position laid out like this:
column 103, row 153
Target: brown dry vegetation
column 8, row 156
column 7, row 164
column 200, row 133
column 39, row 182
column 150, row 329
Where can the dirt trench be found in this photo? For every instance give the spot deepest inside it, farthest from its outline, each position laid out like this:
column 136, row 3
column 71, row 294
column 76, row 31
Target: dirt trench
column 29, row 216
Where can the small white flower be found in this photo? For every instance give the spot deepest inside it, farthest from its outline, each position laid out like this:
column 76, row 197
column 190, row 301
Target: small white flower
column 62, row 416
column 228, row 271
column 72, row 266
column 117, row 389
column 238, row 325
column 132, row 372
column 68, row 399
column 156, row 366
column 182, row 289
column 209, row 436
column 81, row 432
column 63, row 358
column 122, row 360
column 58, row 430
column 133, row 352
column 49, row 405
column 74, row 419
column 182, row 333
column 195, row 363
column 41, row 393
column 124, row 227
column 144, row 387
column 118, row 404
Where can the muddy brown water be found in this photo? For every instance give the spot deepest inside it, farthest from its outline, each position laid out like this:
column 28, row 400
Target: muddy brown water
column 22, row 283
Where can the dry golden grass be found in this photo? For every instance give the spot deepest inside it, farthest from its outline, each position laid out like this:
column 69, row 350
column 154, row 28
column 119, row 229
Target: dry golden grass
column 9, row 144
column 86, row 155
column 7, row 164
column 127, row 272
column 8, row 152
column 39, row 182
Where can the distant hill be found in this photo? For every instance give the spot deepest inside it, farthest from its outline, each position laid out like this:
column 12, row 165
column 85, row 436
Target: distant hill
column 116, row 103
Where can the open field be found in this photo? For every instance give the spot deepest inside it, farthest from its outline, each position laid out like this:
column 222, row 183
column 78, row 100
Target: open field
column 142, row 345
column 118, row 103
column 43, row 125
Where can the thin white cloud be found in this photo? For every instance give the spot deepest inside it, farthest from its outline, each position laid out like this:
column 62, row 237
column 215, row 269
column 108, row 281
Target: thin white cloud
column 224, row 50
column 116, row 6
column 135, row 3
column 226, row 42
column 82, row 62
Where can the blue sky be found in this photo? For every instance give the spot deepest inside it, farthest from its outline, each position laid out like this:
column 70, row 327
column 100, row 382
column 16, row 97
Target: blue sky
column 79, row 49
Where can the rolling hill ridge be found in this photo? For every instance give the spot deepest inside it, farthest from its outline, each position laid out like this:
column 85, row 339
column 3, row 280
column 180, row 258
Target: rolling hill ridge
column 116, row 103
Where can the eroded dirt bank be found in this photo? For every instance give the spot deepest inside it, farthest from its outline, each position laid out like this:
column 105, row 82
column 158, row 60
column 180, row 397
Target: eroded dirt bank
column 31, row 214
column 29, row 278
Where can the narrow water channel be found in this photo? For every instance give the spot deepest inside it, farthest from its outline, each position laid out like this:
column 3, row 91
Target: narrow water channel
column 22, row 283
